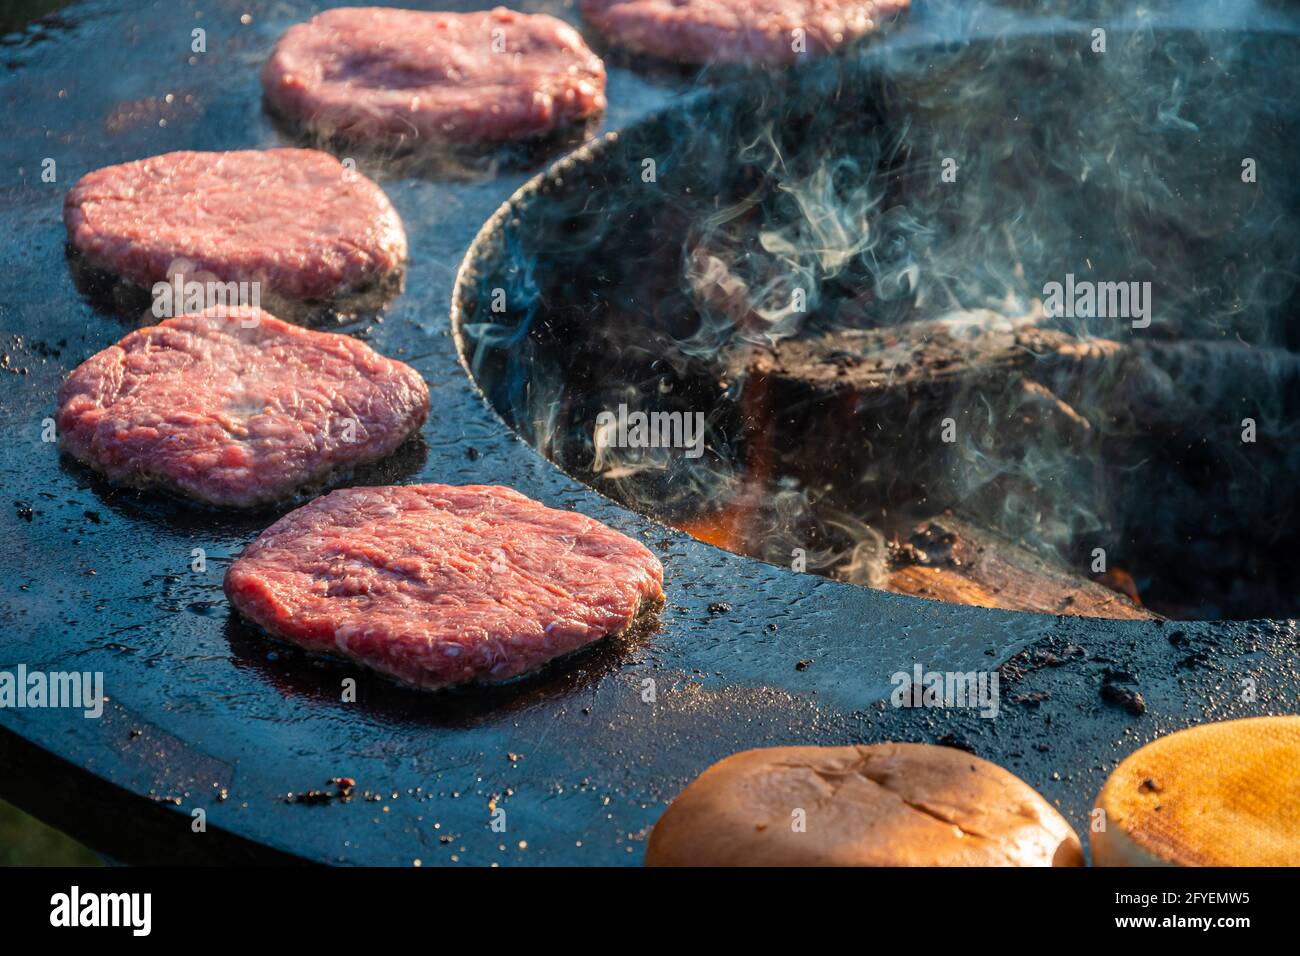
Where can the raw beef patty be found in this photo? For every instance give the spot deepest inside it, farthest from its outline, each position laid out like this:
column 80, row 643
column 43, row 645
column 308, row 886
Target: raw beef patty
column 438, row 585
column 296, row 220
column 238, row 410
column 378, row 74
column 736, row 31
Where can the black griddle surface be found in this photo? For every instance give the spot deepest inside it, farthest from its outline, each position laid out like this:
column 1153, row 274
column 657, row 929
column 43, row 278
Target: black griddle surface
column 205, row 713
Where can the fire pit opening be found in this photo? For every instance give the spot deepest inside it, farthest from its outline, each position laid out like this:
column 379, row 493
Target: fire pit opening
column 1011, row 325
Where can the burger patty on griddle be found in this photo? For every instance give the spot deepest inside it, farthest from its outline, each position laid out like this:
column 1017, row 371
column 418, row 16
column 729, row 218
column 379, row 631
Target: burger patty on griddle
column 297, row 221
column 379, row 75
column 238, row 409
column 737, row 31
column 436, row 585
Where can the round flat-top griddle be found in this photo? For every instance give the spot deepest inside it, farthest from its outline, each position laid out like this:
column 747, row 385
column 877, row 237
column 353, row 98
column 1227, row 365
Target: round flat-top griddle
column 203, row 713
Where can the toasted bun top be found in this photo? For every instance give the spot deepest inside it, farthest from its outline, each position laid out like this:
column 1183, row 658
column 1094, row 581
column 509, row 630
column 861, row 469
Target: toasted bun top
column 1223, row 794
column 879, row 805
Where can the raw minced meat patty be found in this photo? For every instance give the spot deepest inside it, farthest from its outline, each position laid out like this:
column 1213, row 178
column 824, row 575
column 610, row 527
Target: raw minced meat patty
column 376, row 73
column 736, row 31
column 438, row 585
column 238, row 410
column 296, row 220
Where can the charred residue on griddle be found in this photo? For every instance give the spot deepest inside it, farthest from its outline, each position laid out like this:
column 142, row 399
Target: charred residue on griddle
column 1034, row 658
column 1116, row 689
column 36, row 347
column 957, row 742
column 1031, row 699
column 344, row 788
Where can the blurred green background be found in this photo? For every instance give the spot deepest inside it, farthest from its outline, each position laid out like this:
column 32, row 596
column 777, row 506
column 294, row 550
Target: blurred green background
column 24, row 840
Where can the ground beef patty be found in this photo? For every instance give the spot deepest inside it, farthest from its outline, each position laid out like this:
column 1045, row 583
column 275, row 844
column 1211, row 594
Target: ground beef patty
column 445, row 78
column 296, row 220
column 236, row 411
column 438, row 585
column 736, row 31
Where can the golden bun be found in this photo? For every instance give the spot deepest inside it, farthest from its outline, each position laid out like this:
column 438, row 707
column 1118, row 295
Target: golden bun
column 1222, row 794
column 889, row 804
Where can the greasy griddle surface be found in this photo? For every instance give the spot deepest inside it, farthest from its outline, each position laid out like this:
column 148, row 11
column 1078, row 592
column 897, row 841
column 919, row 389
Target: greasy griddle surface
column 204, row 712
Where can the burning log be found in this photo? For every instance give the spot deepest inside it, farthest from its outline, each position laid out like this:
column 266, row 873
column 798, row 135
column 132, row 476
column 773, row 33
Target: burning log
column 943, row 558
column 948, row 559
column 1133, row 450
column 938, row 410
